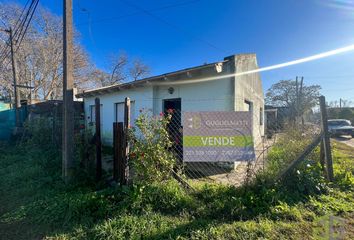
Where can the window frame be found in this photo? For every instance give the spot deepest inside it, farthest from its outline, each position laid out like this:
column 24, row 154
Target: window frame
column 132, row 111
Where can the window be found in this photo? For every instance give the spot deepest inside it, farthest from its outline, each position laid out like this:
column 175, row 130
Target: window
column 93, row 113
column 261, row 116
column 248, row 106
column 119, row 112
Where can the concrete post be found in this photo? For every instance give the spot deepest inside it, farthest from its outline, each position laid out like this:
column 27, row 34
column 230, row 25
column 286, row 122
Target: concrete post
column 68, row 104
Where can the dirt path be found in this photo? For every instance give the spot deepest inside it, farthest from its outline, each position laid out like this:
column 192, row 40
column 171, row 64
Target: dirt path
column 346, row 140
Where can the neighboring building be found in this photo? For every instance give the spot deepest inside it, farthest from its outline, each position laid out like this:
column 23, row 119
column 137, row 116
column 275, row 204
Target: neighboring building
column 275, row 118
column 209, row 87
column 4, row 105
column 53, row 111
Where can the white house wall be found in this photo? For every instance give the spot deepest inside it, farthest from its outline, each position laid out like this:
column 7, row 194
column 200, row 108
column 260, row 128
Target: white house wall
column 141, row 96
column 203, row 96
column 249, row 88
column 223, row 94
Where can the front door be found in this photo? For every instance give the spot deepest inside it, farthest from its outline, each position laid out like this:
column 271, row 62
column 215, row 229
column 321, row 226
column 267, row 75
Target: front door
column 173, row 106
column 174, row 128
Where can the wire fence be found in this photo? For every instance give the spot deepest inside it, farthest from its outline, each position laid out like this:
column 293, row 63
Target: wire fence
column 8, row 121
column 228, row 147
column 45, row 116
column 231, row 147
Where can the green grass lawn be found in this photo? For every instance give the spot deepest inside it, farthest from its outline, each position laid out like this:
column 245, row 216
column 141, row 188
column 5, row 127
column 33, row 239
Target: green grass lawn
column 35, row 204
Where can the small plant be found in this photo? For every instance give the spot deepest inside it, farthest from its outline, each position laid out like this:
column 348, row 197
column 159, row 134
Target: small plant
column 39, row 132
column 151, row 155
column 287, row 148
column 85, row 155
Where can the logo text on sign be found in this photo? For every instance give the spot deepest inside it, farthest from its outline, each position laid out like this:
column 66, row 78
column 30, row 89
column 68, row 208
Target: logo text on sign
column 217, row 137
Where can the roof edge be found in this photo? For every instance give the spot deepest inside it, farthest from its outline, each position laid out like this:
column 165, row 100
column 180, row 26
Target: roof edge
column 117, row 87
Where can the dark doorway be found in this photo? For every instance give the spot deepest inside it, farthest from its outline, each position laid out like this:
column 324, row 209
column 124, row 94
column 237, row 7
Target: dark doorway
column 174, row 128
column 173, row 106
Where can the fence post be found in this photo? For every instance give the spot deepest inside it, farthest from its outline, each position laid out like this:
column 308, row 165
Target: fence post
column 115, row 151
column 326, row 139
column 121, row 164
column 118, row 164
column 322, row 156
column 125, row 143
column 98, row 140
column 54, row 115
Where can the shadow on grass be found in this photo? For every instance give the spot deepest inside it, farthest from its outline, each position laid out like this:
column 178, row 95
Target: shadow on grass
column 43, row 206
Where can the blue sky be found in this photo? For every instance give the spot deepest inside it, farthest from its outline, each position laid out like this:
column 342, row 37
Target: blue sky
column 191, row 33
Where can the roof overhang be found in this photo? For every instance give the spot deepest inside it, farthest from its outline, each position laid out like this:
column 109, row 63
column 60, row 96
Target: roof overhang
column 155, row 80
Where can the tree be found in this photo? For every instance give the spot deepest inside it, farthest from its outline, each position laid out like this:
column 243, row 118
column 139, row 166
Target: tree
column 139, row 70
column 118, row 65
column 341, row 103
column 121, row 70
column 40, row 56
column 299, row 100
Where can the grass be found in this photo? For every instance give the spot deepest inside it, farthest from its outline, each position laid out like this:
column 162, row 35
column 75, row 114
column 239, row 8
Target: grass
column 35, row 204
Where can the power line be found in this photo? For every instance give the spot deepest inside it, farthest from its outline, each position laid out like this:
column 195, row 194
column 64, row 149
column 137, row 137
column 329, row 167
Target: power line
column 5, row 47
column 271, row 67
column 5, row 55
column 172, row 25
column 24, row 22
column 28, row 23
column 20, row 17
column 139, row 12
column 21, row 28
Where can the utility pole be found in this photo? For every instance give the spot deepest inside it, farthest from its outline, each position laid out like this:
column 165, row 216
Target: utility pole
column 68, row 103
column 14, row 76
column 340, row 102
column 13, row 61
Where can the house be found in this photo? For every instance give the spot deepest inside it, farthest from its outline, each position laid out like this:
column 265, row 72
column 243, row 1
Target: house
column 50, row 110
column 209, row 87
column 276, row 117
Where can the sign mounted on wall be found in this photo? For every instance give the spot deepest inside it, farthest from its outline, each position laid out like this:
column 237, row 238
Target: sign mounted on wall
column 217, row 137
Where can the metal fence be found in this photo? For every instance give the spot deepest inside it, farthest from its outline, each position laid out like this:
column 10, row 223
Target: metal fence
column 8, row 121
column 237, row 161
column 230, row 147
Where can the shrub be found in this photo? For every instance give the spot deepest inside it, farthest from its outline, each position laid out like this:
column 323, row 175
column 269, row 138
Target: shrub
column 151, row 156
column 39, row 132
column 307, row 178
column 287, row 148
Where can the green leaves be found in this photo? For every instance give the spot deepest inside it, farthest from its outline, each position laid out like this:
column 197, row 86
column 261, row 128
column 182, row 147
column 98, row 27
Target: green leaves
column 151, row 155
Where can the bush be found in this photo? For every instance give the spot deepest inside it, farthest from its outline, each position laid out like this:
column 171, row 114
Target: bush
column 39, row 132
column 150, row 153
column 287, row 148
column 307, row 178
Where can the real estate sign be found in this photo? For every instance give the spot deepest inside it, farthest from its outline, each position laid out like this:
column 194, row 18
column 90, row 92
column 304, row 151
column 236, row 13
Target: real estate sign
column 217, row 137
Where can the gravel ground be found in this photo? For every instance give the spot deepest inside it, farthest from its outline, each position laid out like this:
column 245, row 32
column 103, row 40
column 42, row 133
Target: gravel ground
column 347, row 140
